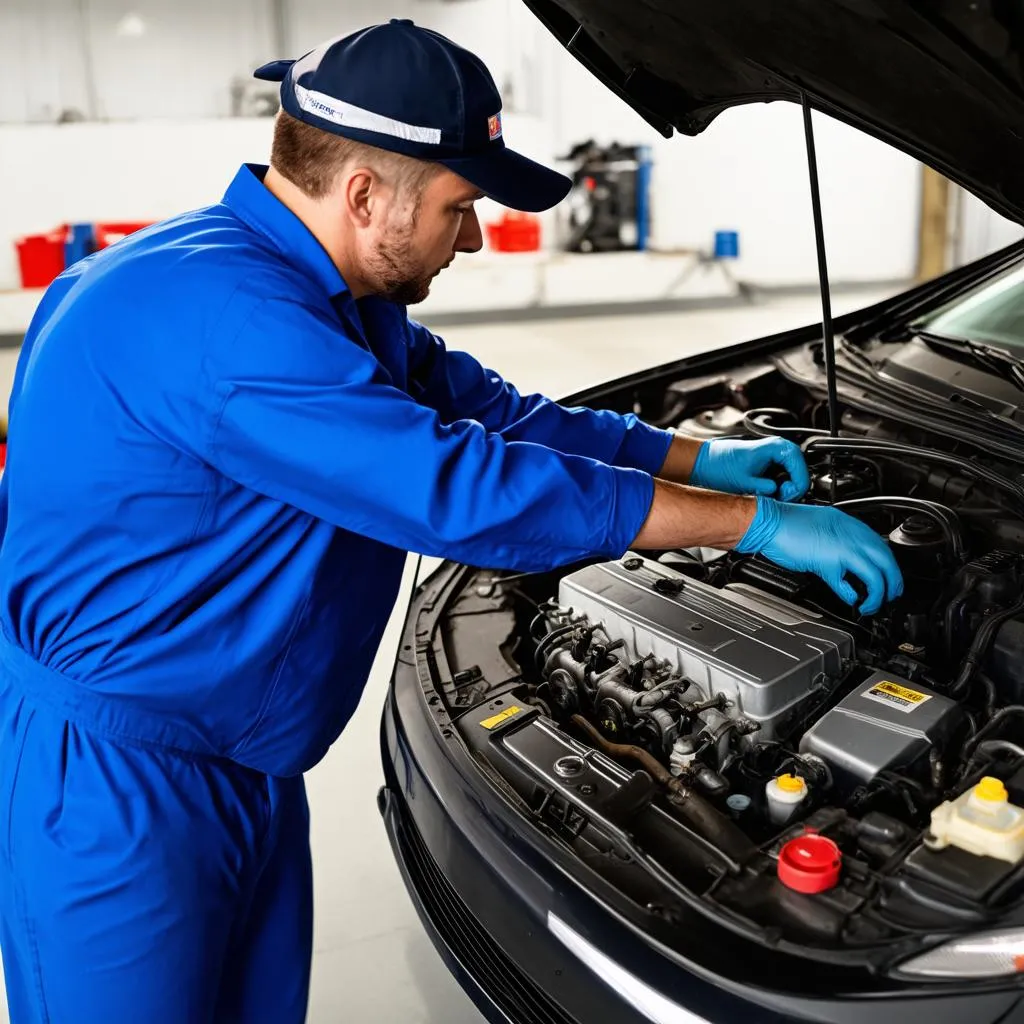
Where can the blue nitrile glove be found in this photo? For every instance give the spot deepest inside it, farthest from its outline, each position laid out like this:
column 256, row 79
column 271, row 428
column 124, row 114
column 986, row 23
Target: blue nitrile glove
column 741, row 467
column 829, row 543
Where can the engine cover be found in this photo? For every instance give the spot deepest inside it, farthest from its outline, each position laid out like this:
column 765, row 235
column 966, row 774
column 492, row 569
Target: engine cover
column 764, row 654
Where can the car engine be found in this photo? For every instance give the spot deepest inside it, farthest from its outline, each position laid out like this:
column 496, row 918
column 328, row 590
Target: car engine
column 750, row 707
column 680, row 666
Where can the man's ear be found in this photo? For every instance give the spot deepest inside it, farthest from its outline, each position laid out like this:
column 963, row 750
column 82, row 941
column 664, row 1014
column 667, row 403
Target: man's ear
column 361, row 195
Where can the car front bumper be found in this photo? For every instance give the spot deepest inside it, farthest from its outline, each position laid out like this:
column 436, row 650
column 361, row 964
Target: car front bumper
column 531, row 945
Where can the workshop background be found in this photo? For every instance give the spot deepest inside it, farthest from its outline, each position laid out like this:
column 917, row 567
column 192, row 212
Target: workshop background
column 116, row 114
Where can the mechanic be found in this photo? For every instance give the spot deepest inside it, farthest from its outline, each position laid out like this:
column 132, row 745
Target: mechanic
column 225, row 434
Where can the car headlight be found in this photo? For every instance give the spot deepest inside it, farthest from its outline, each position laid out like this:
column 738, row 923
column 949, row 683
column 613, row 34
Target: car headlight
column 986, row 955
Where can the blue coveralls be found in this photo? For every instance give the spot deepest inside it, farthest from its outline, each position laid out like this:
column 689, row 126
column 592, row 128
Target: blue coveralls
column 217, row 461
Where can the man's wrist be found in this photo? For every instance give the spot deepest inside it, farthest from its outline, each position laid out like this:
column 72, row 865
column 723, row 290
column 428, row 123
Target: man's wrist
column 762, row 527
column 682, row 516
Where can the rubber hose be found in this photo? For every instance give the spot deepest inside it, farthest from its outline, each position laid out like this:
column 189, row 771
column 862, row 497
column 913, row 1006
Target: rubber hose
column 986, row 730
column 947, row 519
column 705, row 820
column 961, row 686
column 951, row 619
column 853, row 445
column 1005, row 746
column 754, row 423
column 556, row 634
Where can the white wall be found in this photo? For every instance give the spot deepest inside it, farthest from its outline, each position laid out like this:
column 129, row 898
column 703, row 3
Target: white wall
column 127, row 59
column 131, row 59
column 44, row 66
column 114, row 172
column 139, row 171
column 980, row 230
column 747, row 172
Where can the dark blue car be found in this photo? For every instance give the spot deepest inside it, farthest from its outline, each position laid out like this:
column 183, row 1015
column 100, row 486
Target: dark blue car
column 689, row 786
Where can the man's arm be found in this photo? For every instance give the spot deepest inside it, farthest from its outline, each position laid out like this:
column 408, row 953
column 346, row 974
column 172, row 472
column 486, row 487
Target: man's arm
column 804, row 538
column 458, row 387
column 344, row 445
column 321, row 427
column 687, row 517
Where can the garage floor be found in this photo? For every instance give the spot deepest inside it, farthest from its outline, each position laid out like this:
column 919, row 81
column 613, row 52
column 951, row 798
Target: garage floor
column 372, row 960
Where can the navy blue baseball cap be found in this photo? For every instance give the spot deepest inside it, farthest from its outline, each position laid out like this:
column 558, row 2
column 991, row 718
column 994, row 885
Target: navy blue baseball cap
column 409, row 90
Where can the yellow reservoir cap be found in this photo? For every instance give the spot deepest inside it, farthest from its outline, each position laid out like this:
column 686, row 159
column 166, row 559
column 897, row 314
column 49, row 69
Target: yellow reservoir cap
column 991, row 789
column 790, row 784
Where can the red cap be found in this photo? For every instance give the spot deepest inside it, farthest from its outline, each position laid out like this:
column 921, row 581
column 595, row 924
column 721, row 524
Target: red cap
column 810, row 863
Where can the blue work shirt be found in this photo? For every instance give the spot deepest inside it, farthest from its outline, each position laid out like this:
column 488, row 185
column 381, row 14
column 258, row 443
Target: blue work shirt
column 218, row 459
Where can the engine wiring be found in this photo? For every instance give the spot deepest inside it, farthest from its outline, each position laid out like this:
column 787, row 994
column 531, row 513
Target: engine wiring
column 616, row 684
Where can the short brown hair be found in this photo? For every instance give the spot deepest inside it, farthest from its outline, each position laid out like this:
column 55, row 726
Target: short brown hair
column 312, row 159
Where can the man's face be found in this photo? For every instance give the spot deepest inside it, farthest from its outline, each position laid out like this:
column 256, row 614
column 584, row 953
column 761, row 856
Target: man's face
column 414, row 243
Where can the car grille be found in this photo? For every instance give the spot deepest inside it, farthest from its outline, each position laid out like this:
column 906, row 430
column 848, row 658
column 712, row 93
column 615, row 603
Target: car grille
column 512, row 991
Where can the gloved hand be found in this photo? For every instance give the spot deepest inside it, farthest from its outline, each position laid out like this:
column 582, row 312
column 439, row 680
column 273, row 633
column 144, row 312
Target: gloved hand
column 741, row 467
column 829, row 543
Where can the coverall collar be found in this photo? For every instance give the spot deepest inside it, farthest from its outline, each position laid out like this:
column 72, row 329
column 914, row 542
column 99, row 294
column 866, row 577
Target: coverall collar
column 250, row 200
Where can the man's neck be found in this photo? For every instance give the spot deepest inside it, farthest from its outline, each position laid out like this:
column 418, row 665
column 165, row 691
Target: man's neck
column 322, row 227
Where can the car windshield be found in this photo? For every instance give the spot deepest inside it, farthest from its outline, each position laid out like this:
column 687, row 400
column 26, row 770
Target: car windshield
column 991, row 314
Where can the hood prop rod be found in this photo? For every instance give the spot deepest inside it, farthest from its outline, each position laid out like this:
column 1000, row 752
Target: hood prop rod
column 826, row 300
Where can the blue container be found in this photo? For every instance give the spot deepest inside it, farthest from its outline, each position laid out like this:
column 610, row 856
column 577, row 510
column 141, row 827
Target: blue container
column 643, row 197
column 727, row 245
column 79, row 243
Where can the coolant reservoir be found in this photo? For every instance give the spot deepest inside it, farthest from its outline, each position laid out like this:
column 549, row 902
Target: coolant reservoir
column 981, row 821
column 785, row 794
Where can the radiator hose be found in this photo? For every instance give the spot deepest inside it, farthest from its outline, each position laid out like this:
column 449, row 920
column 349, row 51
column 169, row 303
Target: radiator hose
column 699, row 814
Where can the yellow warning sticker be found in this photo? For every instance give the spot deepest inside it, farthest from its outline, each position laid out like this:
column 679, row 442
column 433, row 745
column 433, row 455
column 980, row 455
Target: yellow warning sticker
column 885, row 691
column 501, row 716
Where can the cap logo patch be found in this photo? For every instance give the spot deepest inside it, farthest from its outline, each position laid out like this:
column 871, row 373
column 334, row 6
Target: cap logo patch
column 494, row 127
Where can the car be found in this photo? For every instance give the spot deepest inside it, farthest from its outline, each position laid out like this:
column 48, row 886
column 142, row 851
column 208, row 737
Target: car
column 690, row 786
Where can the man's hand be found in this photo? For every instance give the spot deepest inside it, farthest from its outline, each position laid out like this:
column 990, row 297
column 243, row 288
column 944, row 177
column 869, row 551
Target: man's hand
column 829, row 543
column 805, row 538
column 739, row 467
column 743, row 467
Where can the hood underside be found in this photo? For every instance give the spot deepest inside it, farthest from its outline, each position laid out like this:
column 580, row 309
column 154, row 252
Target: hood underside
column 942, row 80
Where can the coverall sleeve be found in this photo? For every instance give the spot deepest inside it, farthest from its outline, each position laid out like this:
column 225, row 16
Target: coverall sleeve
column 307, row 416
column 458, row 387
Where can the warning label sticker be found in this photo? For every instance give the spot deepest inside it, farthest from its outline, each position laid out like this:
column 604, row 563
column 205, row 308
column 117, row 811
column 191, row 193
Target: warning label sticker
column 502, row 716
column 896, row 695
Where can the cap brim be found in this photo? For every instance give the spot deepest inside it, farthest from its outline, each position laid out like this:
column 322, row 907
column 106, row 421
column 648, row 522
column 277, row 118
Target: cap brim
column 512, row 179
column 275, row 71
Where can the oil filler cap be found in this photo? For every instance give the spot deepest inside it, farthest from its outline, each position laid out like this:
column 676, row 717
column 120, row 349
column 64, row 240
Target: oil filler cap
column 810, row 864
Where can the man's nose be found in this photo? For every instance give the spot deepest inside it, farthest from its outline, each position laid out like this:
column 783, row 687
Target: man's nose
column 470, row 237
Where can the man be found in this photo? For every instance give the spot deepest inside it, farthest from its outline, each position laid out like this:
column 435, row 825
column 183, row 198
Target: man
column 225, row 433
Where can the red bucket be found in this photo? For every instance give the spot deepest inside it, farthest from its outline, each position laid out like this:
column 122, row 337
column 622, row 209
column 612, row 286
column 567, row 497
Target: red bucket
column 515, row 232
column 41, row 257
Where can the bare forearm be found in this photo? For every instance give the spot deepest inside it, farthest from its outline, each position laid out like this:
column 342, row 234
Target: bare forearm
column 682, row 517
column 678, row 464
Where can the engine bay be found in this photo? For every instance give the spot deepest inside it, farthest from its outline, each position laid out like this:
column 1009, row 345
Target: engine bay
column 690, row 721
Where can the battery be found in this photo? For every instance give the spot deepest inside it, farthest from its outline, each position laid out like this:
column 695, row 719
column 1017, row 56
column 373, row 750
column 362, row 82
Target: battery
column 887, row 723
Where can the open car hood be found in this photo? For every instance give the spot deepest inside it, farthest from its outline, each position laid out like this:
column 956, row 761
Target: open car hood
column 942, row 80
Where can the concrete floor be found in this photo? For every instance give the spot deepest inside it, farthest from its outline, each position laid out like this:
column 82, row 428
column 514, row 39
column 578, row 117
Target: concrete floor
column 372, row 961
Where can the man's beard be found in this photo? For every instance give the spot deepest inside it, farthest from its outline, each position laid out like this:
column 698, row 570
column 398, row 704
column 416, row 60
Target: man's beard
column 398, row 276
